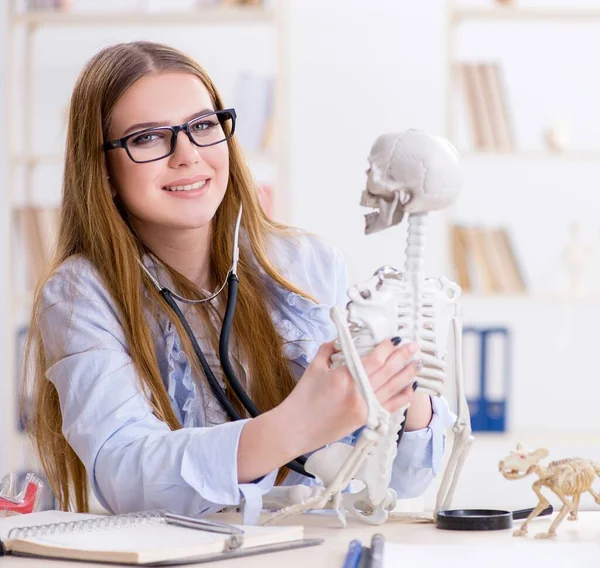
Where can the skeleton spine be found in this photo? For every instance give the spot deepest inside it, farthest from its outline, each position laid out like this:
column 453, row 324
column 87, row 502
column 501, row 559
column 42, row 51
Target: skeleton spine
column 414, row 273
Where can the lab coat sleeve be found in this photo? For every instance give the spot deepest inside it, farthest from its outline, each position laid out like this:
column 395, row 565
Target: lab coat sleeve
column 134, row 461
column 421, row 453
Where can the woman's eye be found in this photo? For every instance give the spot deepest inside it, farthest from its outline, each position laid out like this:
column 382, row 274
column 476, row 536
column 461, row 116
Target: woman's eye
column 147, row 138
column 204, row 125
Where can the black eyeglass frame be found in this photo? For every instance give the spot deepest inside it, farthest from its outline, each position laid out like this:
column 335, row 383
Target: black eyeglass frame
column 175, row 130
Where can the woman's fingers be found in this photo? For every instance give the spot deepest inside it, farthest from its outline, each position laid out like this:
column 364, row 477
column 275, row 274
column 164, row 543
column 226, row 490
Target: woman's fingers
column 398, row 382
column 396, row 361
column 385, row 352
column 324, row 353
column 399, row 400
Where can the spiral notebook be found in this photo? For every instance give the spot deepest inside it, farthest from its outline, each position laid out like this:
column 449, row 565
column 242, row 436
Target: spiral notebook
column 155, row 538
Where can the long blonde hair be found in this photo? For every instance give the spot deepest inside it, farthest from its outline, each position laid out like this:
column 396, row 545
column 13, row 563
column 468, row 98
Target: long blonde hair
column 95, row 227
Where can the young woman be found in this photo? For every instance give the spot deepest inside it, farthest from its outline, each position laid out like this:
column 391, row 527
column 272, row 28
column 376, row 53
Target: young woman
column 153, row 183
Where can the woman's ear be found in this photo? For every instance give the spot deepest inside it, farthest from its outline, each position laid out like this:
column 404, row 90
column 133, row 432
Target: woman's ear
column 113, row 193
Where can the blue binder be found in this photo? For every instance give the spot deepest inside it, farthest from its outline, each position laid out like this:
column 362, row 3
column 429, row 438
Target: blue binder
column 488, row 406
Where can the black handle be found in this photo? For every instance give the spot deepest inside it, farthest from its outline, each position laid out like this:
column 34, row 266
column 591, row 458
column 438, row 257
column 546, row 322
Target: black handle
column 524, row 513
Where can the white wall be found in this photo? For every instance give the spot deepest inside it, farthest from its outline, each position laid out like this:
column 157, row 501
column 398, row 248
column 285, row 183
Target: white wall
column 358, row 69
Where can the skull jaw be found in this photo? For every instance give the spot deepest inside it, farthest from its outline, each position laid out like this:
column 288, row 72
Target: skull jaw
column 388, row 214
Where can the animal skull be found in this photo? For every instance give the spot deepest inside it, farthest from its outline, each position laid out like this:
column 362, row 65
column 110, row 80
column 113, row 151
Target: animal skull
column 520, row 463
column 409, row 172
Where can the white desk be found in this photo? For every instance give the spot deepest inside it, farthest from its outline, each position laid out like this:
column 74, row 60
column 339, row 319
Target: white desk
column 331, row 553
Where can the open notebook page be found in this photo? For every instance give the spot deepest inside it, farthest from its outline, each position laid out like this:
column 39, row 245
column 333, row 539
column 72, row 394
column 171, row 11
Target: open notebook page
column 147, row 543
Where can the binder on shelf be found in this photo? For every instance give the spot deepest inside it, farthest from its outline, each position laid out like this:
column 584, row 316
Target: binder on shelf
column 472, row 377
column 148, row 538
column 486, row 373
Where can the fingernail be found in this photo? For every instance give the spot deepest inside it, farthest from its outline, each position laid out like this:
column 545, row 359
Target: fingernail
column 396, row 340
column 413, row 347
column 415, row 385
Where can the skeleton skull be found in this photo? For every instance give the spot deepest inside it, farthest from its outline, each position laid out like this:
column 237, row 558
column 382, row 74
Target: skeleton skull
column 409, row 172
column 520, row 463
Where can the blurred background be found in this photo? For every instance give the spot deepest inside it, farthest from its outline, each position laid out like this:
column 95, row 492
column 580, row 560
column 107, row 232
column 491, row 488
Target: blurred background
column 514, row 85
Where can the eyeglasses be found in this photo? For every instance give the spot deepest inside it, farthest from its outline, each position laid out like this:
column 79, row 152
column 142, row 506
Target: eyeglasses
column 153, row 144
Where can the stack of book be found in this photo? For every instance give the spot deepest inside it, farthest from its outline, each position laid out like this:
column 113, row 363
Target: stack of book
column 487, row 107
column 485, row 261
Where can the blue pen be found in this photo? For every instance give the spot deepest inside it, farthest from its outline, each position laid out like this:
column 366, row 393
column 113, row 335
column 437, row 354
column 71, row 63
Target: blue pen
column 353, row 555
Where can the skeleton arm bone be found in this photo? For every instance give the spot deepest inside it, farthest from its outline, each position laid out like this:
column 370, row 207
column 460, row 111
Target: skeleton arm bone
column 462, row 428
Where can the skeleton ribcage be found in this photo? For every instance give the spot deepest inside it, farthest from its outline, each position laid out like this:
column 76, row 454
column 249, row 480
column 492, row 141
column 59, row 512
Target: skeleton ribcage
column 389, row 305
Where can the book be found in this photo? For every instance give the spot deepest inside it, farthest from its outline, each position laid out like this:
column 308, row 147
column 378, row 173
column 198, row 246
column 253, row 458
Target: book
column 149, row 538
column 498, row 106
column 485, row 99
column 485, row 261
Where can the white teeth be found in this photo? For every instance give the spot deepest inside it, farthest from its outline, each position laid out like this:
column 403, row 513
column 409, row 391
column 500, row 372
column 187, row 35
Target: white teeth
column 189, row 187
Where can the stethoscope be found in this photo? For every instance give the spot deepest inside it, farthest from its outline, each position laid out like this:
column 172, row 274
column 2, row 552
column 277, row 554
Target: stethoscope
column 232, row 281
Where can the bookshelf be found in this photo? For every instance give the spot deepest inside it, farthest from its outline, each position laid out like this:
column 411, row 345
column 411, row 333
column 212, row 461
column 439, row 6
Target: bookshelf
column 23, row 37
column 495, row 160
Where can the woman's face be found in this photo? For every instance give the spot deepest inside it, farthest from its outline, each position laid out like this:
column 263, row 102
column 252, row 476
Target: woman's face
column 179, row 192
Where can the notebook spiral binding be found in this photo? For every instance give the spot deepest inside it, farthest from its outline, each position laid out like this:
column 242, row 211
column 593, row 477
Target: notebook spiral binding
column 90, row 525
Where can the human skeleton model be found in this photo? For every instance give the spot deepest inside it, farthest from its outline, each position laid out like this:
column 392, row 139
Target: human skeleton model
column 568, row 477
column 409, row 173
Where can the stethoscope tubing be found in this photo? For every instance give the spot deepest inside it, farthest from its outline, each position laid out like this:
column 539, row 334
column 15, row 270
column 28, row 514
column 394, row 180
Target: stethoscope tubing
column 296, row 465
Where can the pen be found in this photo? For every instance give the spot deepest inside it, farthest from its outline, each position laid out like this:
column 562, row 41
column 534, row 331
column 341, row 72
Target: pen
column 201, row 524
column 376, row 556
column 353, row 555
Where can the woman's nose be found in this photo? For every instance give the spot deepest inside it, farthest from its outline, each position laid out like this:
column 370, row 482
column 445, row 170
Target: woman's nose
column 185, row 152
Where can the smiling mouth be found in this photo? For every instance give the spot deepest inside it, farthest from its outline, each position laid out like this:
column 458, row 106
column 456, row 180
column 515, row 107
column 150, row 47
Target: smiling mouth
column 189, row 187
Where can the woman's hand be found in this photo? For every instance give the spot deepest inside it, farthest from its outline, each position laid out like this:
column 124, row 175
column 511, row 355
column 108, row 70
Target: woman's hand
column 326, row 404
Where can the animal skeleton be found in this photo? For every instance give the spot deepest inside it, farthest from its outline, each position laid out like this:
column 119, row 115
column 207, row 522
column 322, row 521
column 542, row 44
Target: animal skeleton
column 409, row 173
column 566, row 477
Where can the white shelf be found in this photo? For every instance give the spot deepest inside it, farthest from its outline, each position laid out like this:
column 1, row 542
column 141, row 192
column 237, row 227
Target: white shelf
column 209, row 15
column 526, row 14
column 575, row 156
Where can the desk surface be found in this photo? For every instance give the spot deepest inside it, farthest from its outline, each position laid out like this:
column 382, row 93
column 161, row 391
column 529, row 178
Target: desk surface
column 332, row 552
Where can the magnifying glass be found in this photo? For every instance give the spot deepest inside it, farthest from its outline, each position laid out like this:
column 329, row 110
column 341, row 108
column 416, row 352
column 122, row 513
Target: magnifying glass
column 483, row 519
